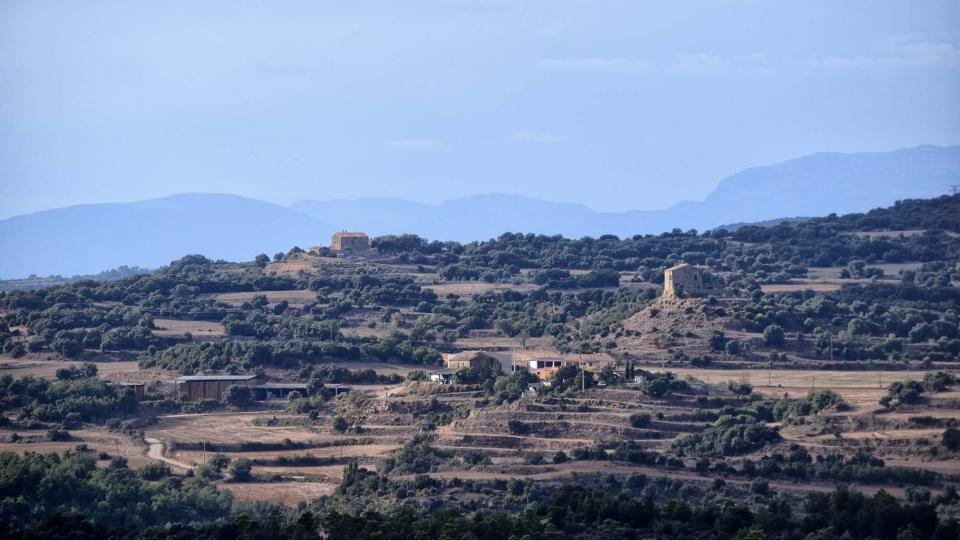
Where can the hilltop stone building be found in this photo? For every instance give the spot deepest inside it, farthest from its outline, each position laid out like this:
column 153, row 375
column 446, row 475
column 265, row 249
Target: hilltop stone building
column 350, row 243
column 683, row 279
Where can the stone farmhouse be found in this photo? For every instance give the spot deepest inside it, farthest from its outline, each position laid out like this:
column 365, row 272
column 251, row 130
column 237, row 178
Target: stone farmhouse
column 350, row 243
column 496, row 362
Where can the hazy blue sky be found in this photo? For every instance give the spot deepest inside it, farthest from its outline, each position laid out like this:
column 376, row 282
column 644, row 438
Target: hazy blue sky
column 615, row 104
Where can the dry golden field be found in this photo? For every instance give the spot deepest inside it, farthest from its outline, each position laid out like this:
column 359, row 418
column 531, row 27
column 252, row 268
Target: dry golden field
column 289, row 493
column 862, row 388
column 293, row 297
column 174, row 327
column 890, row 234
column 823, row 279
column 467, row 289
column 97, row 438
column 116, row 371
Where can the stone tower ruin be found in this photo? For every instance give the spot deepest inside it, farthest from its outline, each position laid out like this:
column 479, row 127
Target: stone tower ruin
column 682, row 279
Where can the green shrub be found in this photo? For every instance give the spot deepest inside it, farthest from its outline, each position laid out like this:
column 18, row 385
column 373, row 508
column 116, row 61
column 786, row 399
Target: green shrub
column 640, row 420
column 418, row 457
column 241, row 470
column 476, row 457
column 951, row 439
column 238, row 395
column 902, row 392
column 517, row 427
column 774, row 336
column 153, row 471
column 219, row 462
column 734, row 435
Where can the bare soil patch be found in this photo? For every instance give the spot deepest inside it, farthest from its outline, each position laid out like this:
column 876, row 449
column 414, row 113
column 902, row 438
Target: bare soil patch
column 173, row 327
column 858, row 388
column 285, row 492
column 97, row 440
column 296, row 298
column 824, row 279
column 115, row 371
column 352, row 451
column 890, row 234
column 668, row 322
column 802, row 286
column 225, row 429
column 473, row 288
column 485, row 341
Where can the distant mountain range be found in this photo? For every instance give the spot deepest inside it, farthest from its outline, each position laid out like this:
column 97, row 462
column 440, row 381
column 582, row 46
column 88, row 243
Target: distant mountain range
column 88, row 238
column 814, row 185
column 85, row 239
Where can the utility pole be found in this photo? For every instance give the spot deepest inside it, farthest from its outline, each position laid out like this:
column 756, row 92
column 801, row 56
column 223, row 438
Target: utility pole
column 204, row 451
column 770, row 373
column 583, row 376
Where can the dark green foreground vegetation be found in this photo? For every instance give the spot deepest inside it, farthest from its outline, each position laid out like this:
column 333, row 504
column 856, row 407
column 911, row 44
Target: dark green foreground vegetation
column 51, row 497
column 69, row 496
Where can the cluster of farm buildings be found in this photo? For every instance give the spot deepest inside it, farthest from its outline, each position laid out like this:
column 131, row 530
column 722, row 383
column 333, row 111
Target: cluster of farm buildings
column 505, row 363
column 203, row 387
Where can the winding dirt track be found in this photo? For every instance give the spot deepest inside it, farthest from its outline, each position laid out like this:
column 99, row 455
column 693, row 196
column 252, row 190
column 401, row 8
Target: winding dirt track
column 155, row 451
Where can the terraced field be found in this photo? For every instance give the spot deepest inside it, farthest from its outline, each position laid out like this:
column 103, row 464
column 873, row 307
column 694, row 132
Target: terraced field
column 296, row 458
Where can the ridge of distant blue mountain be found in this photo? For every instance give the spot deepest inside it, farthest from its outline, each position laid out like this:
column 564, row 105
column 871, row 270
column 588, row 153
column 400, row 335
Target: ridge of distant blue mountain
column 814, row 185
column 86, row 238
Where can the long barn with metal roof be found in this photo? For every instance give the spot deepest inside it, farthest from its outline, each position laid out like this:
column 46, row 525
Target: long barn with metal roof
column 197, row 387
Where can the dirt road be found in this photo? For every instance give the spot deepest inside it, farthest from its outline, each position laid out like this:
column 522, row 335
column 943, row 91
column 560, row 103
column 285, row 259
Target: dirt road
column 155, row 451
